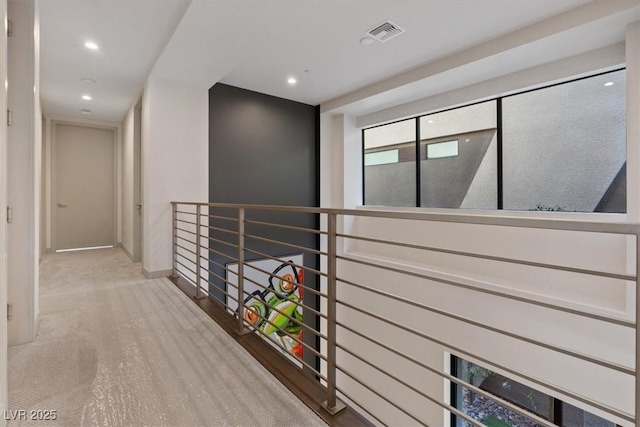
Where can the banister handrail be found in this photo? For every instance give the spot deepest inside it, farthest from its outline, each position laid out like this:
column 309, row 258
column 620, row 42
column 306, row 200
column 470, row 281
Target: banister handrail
column 622, row 227
column 205, row 234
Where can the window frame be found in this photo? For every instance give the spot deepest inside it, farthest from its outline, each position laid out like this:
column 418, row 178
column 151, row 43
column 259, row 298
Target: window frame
column 499, row 137
column 558, row 404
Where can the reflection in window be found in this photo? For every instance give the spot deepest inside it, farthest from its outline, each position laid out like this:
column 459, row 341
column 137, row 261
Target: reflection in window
column 381, row 157
column 390, row 164
column 441, row 150
column 458, row 149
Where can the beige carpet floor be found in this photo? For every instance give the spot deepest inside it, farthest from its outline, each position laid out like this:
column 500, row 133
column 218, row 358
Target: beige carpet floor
column 115, row 349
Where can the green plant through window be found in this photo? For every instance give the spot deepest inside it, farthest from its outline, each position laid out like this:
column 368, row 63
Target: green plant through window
column 492, row 414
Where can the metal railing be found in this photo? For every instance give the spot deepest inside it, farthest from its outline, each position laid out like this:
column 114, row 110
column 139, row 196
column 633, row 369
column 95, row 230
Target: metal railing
column 219, row 247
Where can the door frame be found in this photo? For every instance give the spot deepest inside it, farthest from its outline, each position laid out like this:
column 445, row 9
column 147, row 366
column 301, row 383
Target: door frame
column 137, row 182
column 51, row 192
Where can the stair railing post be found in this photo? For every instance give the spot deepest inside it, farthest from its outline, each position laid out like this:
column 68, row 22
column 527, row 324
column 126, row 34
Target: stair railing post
column 241, row 329
column 174, row 232
column 332, row 404
column 198, row 222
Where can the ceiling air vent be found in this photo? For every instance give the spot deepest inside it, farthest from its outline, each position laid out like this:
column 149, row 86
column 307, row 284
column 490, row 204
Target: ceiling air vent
column 385, row 31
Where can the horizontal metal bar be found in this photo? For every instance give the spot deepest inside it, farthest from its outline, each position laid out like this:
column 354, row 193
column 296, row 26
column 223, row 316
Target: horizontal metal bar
column 221, row 254
column 449, row 377
column 426, row 396
column 360, row 407
column 496, row 258
column 188, row 213
column 186, row 231
column 630, row 228
column 216, row 263
column 312, row 270
column 220, row 241
column 221, row 217
column 220, row 229
column 217, row 289
column 314, row 351
column 186, row 240
column 386, row 399
column 186, row 222
column 188, row 250
column 586, row 358
column 214, row 284
column 454, row 349
column 187, row 259
column 290, row 245
column 492, row 292
column 312, row 369
column 306, row 288
column 306, row 307
column 187, row 269
column 288, row 227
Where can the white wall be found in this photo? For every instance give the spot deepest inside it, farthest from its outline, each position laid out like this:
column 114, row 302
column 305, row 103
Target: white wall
column 341, row 187
column 175, row 157
column 127, row 170
column 3, row 222
column 24, row 160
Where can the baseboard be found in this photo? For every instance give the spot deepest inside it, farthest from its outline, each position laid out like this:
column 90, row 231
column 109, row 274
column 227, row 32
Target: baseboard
column 126, row 251
column 156, row 274
column 36, row 324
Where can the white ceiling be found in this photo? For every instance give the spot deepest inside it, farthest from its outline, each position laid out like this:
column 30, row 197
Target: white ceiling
column 130, row 34
column 257, row 44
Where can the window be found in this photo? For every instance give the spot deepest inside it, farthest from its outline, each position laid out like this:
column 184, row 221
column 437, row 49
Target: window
column 565, row 146
column 558, row 148
column 383, row 157
column 390, row 164
column 439, row 150
column 458, row 153
column 492, row 414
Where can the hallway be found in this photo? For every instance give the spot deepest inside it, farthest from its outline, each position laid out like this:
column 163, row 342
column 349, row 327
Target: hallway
column 114, row 348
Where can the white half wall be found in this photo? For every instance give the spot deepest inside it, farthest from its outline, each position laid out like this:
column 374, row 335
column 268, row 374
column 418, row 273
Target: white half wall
column 175, row 157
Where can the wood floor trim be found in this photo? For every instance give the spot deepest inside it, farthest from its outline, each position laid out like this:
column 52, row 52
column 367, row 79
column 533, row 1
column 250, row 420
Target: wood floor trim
column 304, row 386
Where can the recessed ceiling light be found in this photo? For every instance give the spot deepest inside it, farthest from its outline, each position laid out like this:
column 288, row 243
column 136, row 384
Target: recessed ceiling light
column 87, row 80
column 366, row 41
column 86, row 97
column 86, row 112
column 429, row 121
column 608, row 84
column 292, row 81
column 467, row 140
column 91, row 45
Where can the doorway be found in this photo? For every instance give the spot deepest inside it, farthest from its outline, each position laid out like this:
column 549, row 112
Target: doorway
column 83, row 178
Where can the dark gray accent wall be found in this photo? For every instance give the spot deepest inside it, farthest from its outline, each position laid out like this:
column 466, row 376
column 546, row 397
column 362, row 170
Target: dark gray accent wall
column 263, row 150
